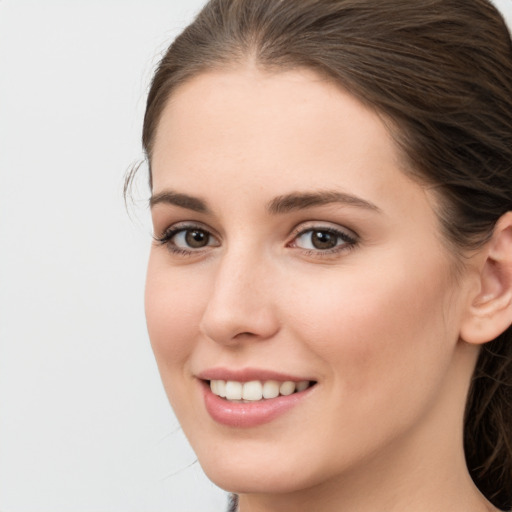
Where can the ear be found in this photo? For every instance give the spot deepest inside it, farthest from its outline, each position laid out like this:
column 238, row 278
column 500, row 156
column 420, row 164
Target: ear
column 490, row 308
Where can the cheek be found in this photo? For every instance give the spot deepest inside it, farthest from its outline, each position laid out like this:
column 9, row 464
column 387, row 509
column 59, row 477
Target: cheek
column 386, row 325
column 382, row 341
column 173, row 305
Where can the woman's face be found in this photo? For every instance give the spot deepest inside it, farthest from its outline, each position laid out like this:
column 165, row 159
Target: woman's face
column 293, row 248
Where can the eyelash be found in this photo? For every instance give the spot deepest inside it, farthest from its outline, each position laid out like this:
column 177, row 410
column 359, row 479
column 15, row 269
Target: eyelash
column 349, row 241
column 167, row 238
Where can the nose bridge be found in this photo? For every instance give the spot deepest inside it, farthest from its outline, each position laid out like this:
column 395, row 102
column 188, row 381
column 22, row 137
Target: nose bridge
column 240, row 302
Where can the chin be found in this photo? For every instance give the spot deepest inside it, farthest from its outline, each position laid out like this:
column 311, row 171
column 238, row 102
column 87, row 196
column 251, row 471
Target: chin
column 269, row 473
column 246, row 481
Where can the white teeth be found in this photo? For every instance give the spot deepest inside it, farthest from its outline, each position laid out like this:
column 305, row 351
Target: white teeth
column 218, row 387
column 271, row 389
column 252, row 390
column 287, row 388
column 302, row 385
column 256, row 390
column 221, row 388
column 233, row 390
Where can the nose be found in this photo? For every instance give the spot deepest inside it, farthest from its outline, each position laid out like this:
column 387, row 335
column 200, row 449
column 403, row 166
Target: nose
column 240, row 306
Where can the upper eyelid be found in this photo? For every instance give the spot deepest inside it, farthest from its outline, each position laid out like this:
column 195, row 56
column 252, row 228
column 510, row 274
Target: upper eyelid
column 304, row 227
column 184, row 225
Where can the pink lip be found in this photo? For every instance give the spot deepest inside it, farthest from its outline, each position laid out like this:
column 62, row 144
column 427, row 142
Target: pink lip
column 247, row 374
column 251, row 414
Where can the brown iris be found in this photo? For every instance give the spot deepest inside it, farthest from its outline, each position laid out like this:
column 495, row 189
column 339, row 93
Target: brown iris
column 323, row 240
column 197, row 238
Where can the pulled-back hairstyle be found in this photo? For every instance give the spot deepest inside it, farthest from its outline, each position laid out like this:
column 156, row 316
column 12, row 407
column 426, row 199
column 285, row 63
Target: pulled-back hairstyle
column 440, row 74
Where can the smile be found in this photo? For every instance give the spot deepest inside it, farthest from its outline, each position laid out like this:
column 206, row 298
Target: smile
column 256, row 390
column 250, row 398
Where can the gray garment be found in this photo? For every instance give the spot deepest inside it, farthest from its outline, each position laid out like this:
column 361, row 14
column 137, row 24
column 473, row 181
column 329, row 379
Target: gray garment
column 233, row 503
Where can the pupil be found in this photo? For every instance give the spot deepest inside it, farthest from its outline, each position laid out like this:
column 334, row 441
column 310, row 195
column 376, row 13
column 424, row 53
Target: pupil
column 323, row 240
column 196, row 238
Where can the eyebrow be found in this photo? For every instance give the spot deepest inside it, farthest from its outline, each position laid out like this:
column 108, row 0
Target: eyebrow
column 182, row 200
column 279, row 205
column 298, row 201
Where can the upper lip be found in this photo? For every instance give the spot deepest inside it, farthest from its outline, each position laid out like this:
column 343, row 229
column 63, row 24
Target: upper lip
column 247, row 375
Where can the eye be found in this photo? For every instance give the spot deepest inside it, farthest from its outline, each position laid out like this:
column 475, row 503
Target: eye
column 323, row 239
column 187, row 239
column 191, row 238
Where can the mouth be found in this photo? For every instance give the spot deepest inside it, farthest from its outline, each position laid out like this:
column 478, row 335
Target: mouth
column 256, row 390
column 250, row 398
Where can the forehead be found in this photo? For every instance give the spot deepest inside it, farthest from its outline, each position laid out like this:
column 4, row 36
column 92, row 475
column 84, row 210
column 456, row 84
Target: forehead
column 238, row 102
column 246, row 128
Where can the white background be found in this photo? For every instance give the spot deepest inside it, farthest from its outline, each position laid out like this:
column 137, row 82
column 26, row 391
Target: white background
column 84, row 423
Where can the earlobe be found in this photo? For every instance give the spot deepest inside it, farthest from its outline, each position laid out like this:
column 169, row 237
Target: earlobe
column 490, row 310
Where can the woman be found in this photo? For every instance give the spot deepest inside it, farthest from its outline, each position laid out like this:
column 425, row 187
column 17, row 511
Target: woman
column 329, row 294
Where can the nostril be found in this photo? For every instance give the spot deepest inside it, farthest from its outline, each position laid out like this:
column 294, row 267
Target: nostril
column 244, row 334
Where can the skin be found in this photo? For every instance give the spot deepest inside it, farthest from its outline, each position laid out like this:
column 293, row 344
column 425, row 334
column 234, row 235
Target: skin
column 375, row 323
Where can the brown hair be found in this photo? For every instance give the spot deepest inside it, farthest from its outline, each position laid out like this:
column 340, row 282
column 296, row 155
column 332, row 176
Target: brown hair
column 441, row 72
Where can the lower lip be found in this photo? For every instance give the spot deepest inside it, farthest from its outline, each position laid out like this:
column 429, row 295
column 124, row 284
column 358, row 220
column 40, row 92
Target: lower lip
column 250, row 414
